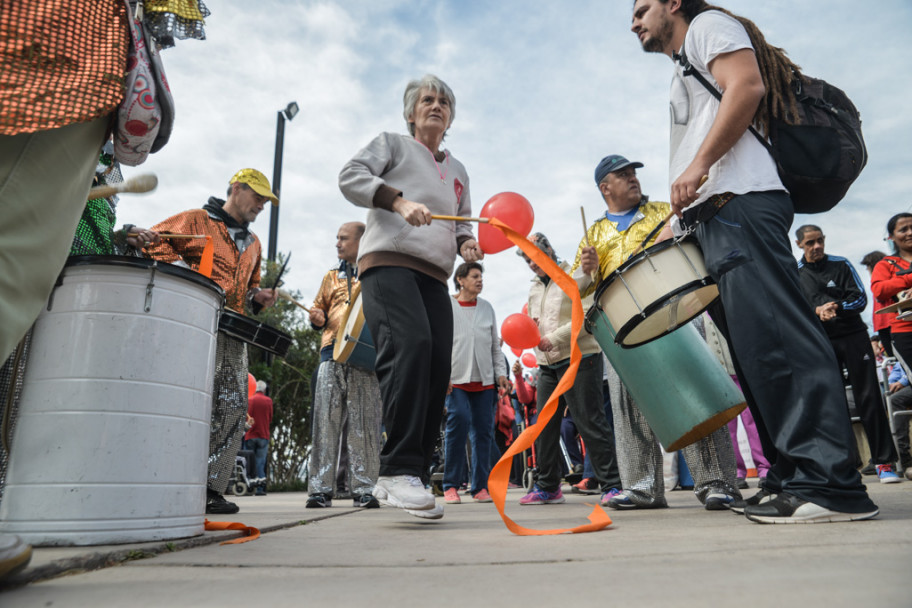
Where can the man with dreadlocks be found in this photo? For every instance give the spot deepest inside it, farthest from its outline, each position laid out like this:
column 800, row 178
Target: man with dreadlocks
column 741, row 218
column 236, row 269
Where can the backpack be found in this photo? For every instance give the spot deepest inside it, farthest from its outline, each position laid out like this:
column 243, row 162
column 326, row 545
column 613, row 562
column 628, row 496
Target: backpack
column 820, row 155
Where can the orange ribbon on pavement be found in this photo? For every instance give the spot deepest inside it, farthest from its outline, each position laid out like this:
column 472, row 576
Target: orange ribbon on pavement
column 252, row 533
column 500, row 474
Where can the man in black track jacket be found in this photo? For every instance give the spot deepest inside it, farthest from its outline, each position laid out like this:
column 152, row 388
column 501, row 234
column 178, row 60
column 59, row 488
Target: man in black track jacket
column 837, row 296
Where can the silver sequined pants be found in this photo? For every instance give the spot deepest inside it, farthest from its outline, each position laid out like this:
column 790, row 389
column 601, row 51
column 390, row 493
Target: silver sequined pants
column 344, row 390
column 711, row 460
column 229, row 410
column 12, row 373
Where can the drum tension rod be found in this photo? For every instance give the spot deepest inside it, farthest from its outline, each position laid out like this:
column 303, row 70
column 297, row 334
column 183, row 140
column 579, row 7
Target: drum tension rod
column 148, row 305
column 57, row 283
column 351, row 338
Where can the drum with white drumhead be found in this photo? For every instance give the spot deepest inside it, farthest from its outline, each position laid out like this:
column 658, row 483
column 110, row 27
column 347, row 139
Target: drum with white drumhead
column 113, row 431
column 656, row 291
column 354, row 344
column 676, row 381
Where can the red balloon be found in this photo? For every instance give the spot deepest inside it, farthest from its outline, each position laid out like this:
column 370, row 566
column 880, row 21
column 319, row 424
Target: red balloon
column 517, row 351
column 251, row 386
column 520, row 331
column 512, row 209
column 525, row 308
column 529, row 360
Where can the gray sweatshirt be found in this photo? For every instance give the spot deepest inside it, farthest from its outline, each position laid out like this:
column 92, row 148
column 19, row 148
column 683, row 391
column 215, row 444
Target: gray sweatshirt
column 401, row 163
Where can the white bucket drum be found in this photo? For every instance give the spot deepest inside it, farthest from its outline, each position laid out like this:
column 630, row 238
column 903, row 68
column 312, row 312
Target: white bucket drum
column 657, row 291
column 113, row 432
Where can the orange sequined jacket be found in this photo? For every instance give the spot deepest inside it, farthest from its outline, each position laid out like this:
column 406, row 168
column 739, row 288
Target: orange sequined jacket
column 333, row 299
column 235, row 272
column 61, row 62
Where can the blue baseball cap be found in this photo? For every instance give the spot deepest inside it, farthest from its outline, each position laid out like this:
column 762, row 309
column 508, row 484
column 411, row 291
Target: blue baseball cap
column 613, row 163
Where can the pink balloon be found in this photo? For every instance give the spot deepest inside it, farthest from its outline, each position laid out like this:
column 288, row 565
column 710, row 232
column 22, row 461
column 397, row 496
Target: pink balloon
column 528, row 360
column 520, row 331
column 512, row 209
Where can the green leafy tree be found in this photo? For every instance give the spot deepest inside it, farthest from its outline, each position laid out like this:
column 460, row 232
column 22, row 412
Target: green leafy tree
column 289, row 380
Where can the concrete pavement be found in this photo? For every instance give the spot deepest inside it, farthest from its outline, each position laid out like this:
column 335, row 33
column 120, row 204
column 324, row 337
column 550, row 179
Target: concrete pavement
column 681, row 556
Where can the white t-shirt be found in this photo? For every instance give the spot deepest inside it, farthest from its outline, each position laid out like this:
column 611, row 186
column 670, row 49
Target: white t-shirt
column 747, row 166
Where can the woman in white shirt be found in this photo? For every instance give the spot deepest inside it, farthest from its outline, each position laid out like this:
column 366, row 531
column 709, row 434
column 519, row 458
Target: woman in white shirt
column 477, row 364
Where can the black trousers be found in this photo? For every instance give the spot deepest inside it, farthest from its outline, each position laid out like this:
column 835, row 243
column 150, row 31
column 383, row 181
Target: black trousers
column 410, row 319
column 786, row 362
column 855, row 353
column 584, row 399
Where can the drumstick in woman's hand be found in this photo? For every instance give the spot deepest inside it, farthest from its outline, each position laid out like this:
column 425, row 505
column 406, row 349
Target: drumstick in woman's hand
column 141, row 183
column 459, row 218
column 287, row 296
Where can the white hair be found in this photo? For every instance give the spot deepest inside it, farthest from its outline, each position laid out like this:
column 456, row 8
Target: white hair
column 413, row 88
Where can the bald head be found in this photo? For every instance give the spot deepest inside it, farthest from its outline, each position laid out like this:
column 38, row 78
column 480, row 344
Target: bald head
column 347, row 240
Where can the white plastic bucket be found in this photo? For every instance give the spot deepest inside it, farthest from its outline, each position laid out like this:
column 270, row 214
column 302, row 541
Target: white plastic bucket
column 113, row 430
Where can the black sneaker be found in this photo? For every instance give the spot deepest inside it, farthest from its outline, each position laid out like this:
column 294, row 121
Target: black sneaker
column 762, row 496
column 789, row 509
column 319, row 501
column 217, row 505
column 869, row 469
column 720, row 500
column 741, row 484
column 366, row 501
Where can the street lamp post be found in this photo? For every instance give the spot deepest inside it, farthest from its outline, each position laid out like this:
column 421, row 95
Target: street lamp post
column 286, row 114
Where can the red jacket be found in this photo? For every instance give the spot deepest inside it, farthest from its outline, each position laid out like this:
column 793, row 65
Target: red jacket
column 260, row 408
column 886, row 286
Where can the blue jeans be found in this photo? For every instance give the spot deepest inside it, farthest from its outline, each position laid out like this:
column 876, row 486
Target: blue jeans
column 260, row 448
column 469, row 414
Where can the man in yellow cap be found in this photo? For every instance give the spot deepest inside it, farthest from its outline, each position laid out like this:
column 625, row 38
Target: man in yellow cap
column 236, row 268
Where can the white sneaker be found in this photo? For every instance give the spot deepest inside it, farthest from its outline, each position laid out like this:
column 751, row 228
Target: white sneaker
column 435, row 513
column 404, row 492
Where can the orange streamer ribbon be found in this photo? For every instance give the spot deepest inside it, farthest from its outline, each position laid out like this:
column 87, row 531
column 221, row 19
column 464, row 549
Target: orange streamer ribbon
column 500, row 474
column 252, row 533
column 205, row 267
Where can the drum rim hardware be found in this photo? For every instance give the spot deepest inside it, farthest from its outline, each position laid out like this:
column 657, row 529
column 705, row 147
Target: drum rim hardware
column 670, row 298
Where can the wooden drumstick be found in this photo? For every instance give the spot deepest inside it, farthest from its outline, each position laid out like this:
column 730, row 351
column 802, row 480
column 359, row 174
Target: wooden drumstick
column 655, row 230
column 173, row 235
column 287, row 296
column 141, row 183
column 585, row 226
column 594, row 273
column 459, row 218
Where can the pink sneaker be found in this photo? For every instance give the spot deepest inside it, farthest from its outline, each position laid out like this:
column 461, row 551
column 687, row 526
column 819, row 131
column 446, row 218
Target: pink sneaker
column 451, row 496
column 541, row 497
column 483, row 496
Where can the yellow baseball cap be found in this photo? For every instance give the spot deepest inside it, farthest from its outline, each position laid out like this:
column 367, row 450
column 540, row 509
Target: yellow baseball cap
column 257, row 182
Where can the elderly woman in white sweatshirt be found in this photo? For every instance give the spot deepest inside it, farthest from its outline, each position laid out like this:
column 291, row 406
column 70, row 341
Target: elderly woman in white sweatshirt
column 479, row 368
column 404, row 260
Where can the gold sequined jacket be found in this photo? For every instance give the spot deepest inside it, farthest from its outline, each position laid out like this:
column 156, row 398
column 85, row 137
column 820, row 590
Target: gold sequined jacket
column 615, row 247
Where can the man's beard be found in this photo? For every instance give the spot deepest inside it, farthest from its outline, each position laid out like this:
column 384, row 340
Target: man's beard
column 657, row 42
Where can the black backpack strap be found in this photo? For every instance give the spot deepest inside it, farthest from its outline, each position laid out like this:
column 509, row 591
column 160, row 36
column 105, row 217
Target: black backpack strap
column 690, row 70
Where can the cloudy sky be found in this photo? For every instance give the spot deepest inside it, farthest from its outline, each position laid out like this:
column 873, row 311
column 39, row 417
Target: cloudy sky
column 544, row 90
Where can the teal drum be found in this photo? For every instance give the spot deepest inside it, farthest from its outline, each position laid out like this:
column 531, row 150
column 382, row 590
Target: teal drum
column 679, row 385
